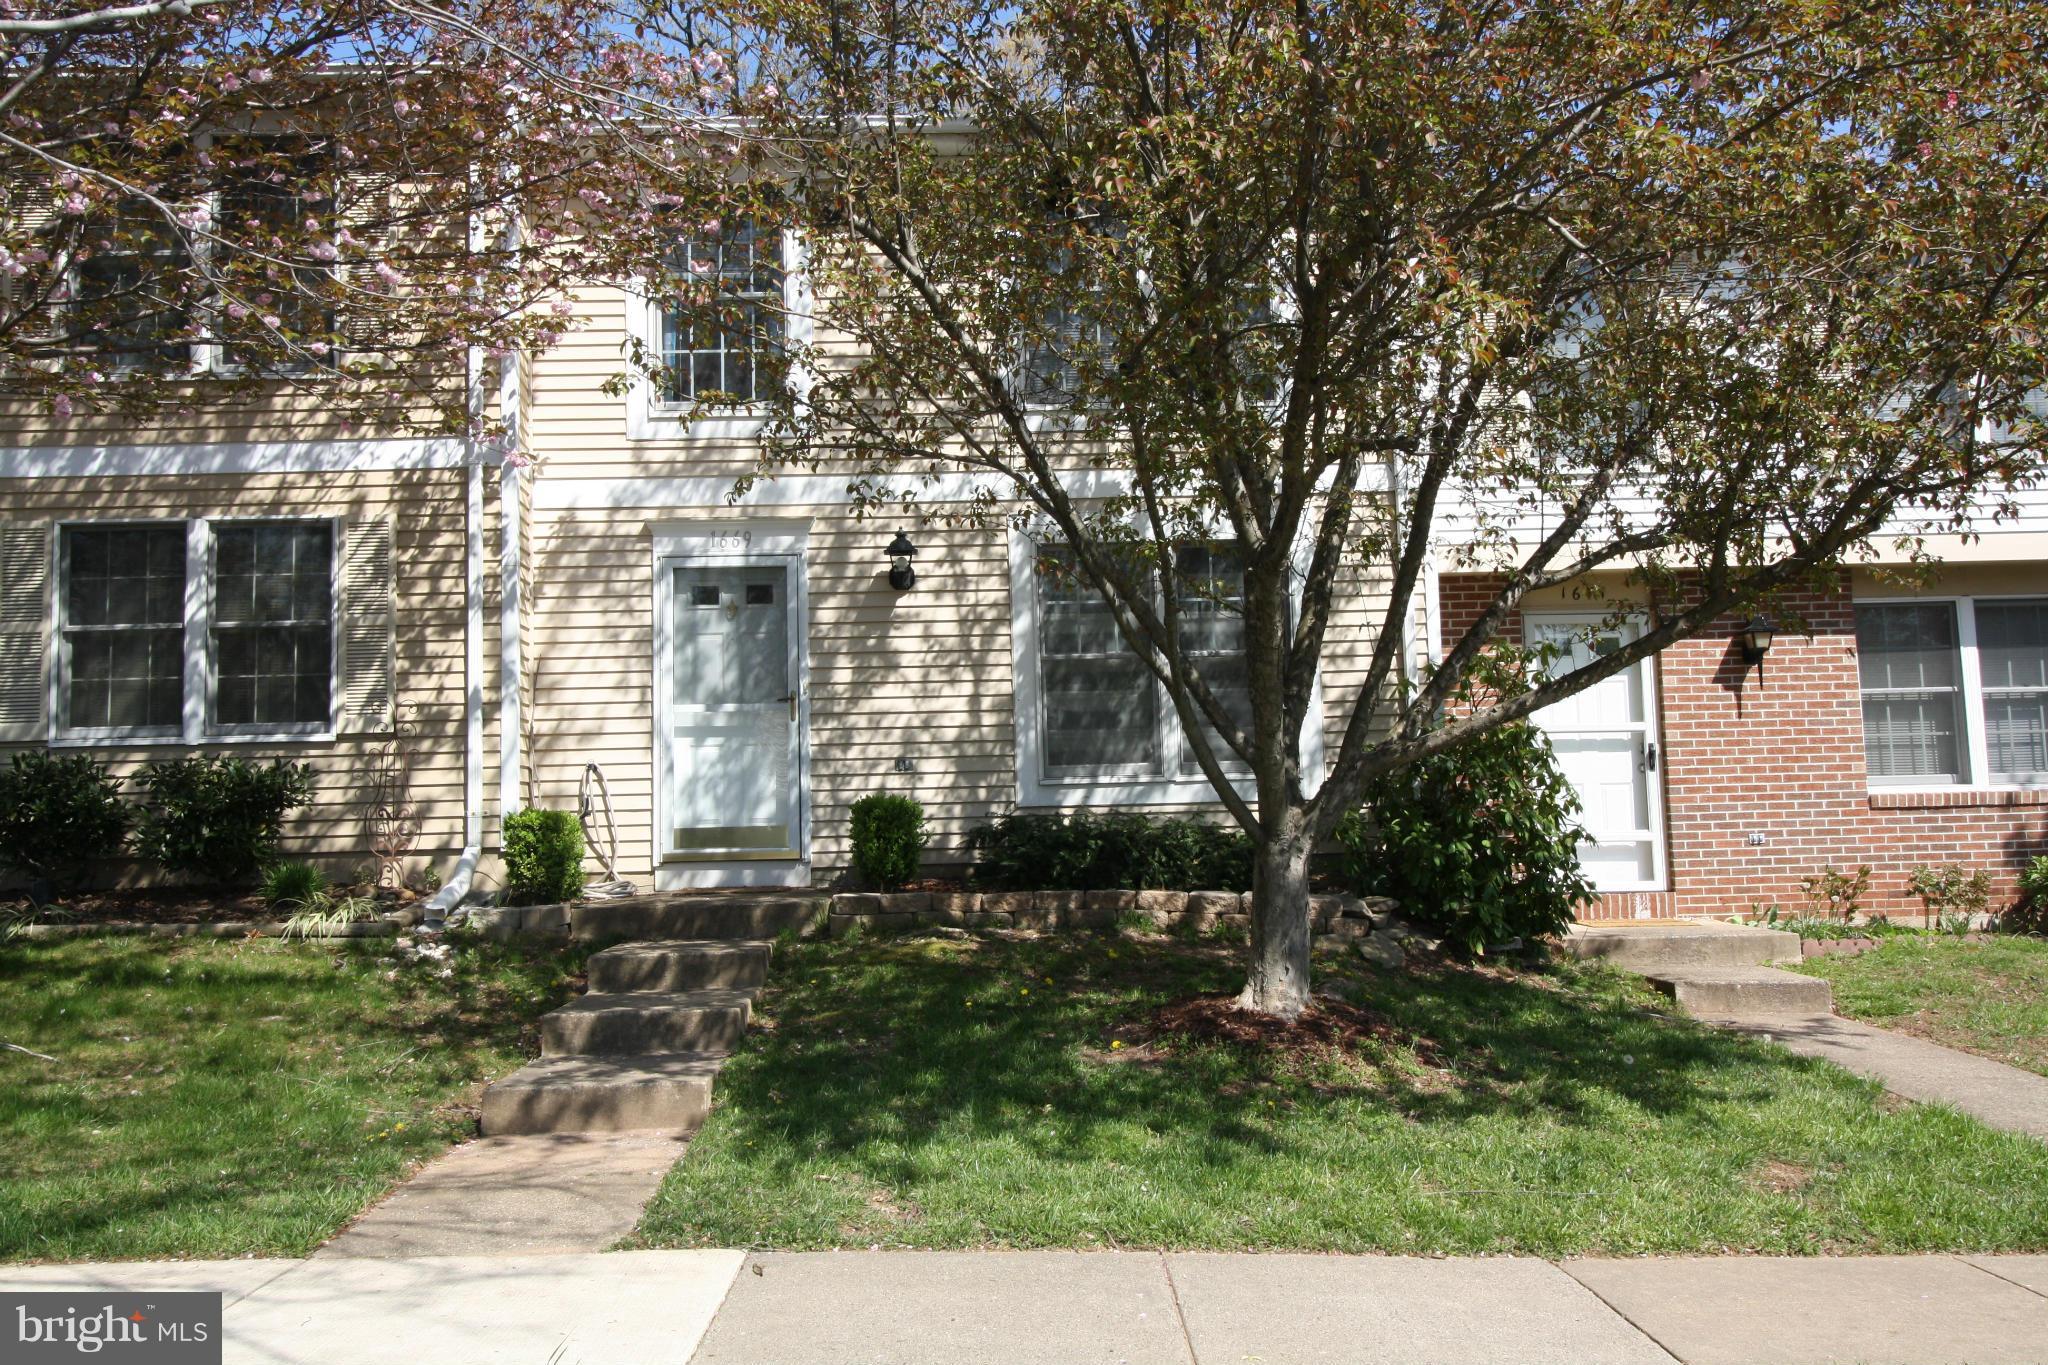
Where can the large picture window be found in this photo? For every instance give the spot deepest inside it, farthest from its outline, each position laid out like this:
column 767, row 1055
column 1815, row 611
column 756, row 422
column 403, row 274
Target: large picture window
column 233, row 620
column 1102, row 715
column 1955, row 691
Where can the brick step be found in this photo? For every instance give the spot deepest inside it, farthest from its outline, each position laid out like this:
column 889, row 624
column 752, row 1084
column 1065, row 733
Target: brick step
column 629, row 1022
column 1648, row 947
column 680, row 965
column 687, row 916
column 1743, row 992
column 670, row 1091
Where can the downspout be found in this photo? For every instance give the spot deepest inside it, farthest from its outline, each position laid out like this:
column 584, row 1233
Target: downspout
column 455, row 890
column 511, row 725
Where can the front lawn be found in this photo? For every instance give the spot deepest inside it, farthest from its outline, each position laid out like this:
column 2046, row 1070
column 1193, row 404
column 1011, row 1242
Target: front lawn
column 238, row 1098
column 1988, row 996
column 942, row 1093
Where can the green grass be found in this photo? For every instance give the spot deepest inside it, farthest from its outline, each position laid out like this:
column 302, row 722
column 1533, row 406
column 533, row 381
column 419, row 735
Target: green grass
column 238, row 1098
column 939, row 1093
column 1988, row 996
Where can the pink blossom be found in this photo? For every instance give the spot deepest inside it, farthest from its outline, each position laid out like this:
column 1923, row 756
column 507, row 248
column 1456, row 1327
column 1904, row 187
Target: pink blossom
column 272, row 321
column 73, row 203
column 231, row 82
column 238, row 311
column 388, row 275
column 562, row 308
column 61, row 405
column 317, row 347
column 260, row 74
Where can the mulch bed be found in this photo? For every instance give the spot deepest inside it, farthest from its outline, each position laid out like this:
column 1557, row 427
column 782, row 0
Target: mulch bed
column 167, row 905
column 1329, row 1025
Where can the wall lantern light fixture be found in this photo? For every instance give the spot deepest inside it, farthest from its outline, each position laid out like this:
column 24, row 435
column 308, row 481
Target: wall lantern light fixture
column 1757, row 634
column 901, row 576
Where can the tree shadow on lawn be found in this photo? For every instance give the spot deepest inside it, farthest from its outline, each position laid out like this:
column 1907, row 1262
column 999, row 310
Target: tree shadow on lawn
column 887, row 1048
column 250, row 1088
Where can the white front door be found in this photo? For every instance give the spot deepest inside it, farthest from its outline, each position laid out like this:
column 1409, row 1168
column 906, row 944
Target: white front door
column 1606, row 743
column 731, row 724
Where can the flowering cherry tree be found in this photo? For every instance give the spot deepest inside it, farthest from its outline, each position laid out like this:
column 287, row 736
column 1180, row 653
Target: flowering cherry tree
column 205, row 196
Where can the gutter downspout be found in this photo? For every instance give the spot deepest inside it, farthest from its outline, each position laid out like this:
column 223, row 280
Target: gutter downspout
column 511, row 605
column 456, row 889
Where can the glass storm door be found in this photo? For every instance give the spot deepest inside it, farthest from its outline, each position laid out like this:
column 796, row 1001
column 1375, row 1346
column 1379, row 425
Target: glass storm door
column 732, row 715
column 1606, row 743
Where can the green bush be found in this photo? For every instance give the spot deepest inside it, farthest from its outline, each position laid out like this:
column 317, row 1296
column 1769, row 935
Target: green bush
column 293, row 884
column 543, row 856
column 218, row 819
column 2030, row 914
column 888, row 839
column 1480, row 842
column 1114, row 852
column 1952, row 894
column 60, row 815
column 1837, row 895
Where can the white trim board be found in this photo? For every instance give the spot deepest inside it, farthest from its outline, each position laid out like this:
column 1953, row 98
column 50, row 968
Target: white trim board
column 232, row 457
column 796, row 490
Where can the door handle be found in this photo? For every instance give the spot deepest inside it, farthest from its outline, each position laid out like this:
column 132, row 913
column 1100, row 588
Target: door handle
column 1650, row 757
column 791, row 699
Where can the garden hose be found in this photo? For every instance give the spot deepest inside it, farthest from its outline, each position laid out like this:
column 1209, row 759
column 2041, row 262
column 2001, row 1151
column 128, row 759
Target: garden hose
column 611, row 888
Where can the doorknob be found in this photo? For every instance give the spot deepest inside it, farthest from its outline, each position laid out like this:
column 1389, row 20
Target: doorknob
column 1650, row 757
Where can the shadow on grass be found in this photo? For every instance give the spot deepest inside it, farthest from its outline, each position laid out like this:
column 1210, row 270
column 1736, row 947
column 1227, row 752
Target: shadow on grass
column 885, row 1048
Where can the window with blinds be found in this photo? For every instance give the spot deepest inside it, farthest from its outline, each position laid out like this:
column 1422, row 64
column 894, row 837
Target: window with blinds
column 2012, row 652
column 1955, row 691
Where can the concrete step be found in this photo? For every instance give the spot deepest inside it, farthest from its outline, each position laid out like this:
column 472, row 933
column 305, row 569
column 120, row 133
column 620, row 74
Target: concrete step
column 686, row 916
column 1646, row 947
column 631, row 1022
column 1743, row 992
column 680, row 965
column 662, row 1090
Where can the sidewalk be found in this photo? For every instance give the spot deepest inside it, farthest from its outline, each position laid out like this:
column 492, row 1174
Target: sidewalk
column 1115, row 1308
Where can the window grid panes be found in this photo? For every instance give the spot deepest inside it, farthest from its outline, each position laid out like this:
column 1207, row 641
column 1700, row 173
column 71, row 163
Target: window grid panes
column 272, row 191
column 273, row 641
column 1103, row 714
column 2012, row 658
column 735, row 357
column 1100, row 703
column 129, row 290
column 123, row 627
column 1075, row 347
column 1910, row 663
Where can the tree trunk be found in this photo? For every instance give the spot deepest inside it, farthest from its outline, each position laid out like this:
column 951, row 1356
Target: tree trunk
column 1278, row 982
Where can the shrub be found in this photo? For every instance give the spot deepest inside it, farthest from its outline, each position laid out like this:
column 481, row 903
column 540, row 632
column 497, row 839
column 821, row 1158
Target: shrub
column 1836, row 895
column 218, row 819
column 2030, row 914
column 293, row 884
column 1480, row 842
column 888, row 839
column 60, row 815
column 543, row 856
column 1114, row 852
column 1952, row 894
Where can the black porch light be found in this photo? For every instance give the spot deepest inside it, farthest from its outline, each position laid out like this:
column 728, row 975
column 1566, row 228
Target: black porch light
column 1757, row 634
column 901, row 576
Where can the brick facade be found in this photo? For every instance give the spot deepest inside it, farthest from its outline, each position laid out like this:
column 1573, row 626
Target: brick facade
column 1776, row 754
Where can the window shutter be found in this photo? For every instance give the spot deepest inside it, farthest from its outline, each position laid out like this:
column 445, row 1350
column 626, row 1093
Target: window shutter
column 368, row 669
column 24, row 630
column 367, row 203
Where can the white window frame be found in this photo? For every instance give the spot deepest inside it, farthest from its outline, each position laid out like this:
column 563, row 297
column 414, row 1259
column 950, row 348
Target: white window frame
column 650, row 418
column 1976, row 742
column 1069, row 791
column 211, row 357
column 196, row 724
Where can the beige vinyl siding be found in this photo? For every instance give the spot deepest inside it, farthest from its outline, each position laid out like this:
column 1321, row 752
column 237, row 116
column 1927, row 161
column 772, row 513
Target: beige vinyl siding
column 426, row 512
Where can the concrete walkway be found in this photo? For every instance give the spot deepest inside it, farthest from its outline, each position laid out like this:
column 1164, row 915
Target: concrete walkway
column 544, row 1194
column 1115, row 1308
column 2000, row 1095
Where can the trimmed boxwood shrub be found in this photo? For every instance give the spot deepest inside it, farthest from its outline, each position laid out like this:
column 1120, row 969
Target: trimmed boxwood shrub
column 543, row 856
column 60, row 816
column 1480, row 842
column 1119, row 851
column 888, row 839
column 218, row 819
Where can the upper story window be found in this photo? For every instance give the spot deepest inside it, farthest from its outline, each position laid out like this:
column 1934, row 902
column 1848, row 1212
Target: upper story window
column 1073, row 348
column 130, row 286
column 269, row 192
column 733, row 357
column 1955, row 691
column 231, row 620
